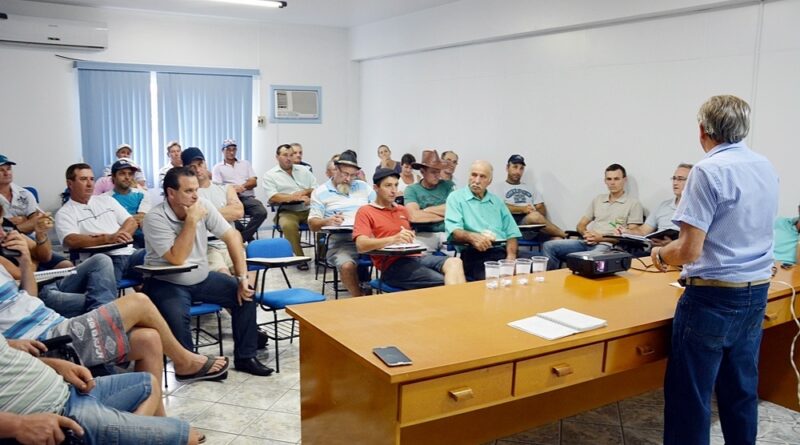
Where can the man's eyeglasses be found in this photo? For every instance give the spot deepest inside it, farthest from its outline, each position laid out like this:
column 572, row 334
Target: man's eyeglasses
column 678, row 178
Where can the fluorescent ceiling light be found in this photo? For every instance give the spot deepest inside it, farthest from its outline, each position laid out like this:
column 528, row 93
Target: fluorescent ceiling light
column 264, row 3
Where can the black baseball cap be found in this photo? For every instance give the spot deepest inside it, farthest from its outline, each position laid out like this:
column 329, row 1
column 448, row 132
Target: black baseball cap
column 384, row 173
column 516, row 159
column 190, row 154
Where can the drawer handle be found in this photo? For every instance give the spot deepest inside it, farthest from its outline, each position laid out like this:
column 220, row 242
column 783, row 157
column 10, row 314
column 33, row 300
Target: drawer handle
column 770, row 316
column 562, row 370
column 461, row 394
column 645, row 350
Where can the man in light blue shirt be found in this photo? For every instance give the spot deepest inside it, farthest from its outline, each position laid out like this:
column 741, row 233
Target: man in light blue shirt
column 725, row 246
column 479, row 219
column 787, row 240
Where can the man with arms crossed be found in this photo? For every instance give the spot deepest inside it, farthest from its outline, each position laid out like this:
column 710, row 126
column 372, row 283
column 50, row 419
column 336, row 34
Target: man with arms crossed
column 425, row 200
column 725, row 247
column 240, row 174
column 525, row 202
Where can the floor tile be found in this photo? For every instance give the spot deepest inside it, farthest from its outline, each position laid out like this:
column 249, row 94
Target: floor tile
column 185, row 408
column 605, row 415
column 638, row 415
column 277, row 426
column 288, row 403
column 217, row 437
column 637, row 436
column 549, row 434
column 590, row 434
column 247, row 440
column 208, row 391
column 227, row 418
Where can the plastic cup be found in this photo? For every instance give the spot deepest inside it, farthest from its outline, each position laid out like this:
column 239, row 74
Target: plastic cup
column 492, row 269
column 507, row 272
column 523, row 267
column 539, row 267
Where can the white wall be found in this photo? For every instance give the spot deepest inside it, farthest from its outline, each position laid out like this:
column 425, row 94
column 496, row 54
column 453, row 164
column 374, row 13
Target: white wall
column 574, row 102
column 39, row 122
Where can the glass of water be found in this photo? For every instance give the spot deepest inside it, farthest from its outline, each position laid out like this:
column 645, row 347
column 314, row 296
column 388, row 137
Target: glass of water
column 523, row 270
column 539, row 267
column 492, row 269
column 507, row 272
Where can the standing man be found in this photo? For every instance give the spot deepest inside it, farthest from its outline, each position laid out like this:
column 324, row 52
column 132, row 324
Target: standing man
column 477, row 218
column 525, row 202
column 240, row 174
column 134, row 200
column 725, row 247
column 297, row 156
column 19, row 204
column 289, row 182
column 177, row 234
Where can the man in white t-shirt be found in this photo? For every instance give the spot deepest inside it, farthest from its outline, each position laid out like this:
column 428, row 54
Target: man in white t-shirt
column 87, row 221
column 525, row 202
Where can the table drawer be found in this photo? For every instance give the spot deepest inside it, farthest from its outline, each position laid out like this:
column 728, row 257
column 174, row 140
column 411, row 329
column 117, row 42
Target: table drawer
column 637, row 350
column 457, row 392
column 777, row 312
column 559, row 369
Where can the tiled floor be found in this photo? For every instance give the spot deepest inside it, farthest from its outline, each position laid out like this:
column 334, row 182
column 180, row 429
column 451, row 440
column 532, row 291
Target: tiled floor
column 266, row 410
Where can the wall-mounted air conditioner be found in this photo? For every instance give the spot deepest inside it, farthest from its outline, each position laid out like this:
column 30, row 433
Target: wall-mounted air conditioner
column 296, row 104
column 26, row 30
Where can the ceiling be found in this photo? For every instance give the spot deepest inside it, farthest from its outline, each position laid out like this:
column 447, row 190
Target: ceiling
column 339, row 13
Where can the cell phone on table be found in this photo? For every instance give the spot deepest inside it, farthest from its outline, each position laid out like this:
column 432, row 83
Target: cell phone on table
column 392, row 356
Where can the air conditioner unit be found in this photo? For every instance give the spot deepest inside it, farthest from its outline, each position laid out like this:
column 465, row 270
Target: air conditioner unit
column 297, row 104
column 42, row 31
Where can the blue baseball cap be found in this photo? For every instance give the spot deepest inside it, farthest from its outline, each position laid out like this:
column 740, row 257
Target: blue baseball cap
column 122, row 164
column 190, row 154
column 5, row 161
column 516, row 159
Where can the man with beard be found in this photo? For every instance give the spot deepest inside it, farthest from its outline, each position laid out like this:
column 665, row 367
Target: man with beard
column 525, row 202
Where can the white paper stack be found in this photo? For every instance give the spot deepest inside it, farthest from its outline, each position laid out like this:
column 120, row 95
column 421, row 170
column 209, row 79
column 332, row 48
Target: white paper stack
column 558, row 323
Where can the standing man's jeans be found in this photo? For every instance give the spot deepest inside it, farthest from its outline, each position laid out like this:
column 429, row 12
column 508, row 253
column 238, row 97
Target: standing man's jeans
column 289, row 222
column 91, row 286
column 556, row 251
column 124, row 265
column 105, row 414
column 716, row 336
column 175, row 300
column 257, row 213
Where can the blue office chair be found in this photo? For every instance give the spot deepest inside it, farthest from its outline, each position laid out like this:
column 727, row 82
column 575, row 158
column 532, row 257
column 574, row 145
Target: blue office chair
column 382, row 287
column 273, row 301
column 33, row 191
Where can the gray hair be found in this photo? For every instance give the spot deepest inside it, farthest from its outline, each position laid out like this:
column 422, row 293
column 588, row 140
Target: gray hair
column 725, row 118
column 685, row 165
column 484, row 164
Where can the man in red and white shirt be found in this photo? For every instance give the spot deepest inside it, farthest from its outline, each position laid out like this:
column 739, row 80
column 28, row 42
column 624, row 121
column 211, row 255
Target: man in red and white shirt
column 383, row 223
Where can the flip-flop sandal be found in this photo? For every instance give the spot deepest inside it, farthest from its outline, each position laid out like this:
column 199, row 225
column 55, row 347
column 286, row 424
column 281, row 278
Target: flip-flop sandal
column 201, row 439
column 203, row 373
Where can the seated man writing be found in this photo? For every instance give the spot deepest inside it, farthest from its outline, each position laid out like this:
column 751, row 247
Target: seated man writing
column 478, row 219
column 385, row 222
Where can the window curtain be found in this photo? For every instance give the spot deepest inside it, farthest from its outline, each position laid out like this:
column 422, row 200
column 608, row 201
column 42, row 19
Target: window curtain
column 115, row 109
column 202, row 110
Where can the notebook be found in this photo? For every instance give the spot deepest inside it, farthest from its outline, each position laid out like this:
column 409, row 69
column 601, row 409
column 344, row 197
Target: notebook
column 53, row 274
column 558, row 323
column 403, row 246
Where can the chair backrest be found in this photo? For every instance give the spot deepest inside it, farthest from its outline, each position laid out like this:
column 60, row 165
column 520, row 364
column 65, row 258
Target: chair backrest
column 33, row 191
column 269, row 248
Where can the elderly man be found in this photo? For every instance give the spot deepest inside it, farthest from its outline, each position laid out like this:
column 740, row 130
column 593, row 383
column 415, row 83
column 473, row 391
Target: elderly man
column 86, row 221
column 240, row 174
column 725, row 247
column 425, row 200
column 19, row 204
column 289, row 185
column 385, row 222
column 607, row 212
column 297, row 156
column 478, row 219
column 335, row 203
column 524, row 201
column 176, row 233
column 134, row 200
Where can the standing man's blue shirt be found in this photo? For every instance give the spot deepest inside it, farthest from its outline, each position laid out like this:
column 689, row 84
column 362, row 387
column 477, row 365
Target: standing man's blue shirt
column 738, row 245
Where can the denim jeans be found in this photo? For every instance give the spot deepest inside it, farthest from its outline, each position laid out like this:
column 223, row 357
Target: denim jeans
column 175, row 300
column 124, row 265
column 91, row 286
column 556, row 251
column 105, row 413
column 716, row 335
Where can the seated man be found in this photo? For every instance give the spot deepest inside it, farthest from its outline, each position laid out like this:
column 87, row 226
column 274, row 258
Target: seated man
column 525, row 202
column 477, row 218
column 335, row 203
column 129, row 328
column 105, row 184
column 19, row 204
column 607, row 212
column 385, row 222
column 449, row 164
column 176, row 233
column 426, row 199
column 661, row 219
column 240, row 174
column 297, row 156
column 42, row 396
column 290, row 182
column 224, row 198
column 787, row 239
column 174, row 155
column 86, row 221
column 134, row 200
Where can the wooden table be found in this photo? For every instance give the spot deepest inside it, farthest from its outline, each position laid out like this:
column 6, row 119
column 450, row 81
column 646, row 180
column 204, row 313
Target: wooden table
column 475, row 379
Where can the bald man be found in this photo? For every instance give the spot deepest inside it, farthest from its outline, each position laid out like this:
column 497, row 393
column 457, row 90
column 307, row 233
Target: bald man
column 480, row 223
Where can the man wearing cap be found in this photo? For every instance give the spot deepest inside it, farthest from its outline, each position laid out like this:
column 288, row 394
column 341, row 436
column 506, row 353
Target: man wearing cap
column 86, row 221
column 335, row 203
column 297, row 156
column 385, row 222
column 240, row 174
column 134, row 200
column 525, row 202
column 425, row 200
column 289, row 182
column 123, row 151
column 174, row 156
column 19, row 204
column 477, row 220
column 223, row 198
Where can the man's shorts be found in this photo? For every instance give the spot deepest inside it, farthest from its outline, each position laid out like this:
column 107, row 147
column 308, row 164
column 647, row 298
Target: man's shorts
column 341, row 251
column 219, row 258
column 97, row 336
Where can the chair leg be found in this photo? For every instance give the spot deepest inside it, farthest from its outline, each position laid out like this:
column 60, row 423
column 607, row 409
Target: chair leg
column 277, row 358
column 196, row 334
column 166, row 381
column 219, row 333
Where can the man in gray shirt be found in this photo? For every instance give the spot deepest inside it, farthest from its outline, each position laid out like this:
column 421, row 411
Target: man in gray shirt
column 176, row 233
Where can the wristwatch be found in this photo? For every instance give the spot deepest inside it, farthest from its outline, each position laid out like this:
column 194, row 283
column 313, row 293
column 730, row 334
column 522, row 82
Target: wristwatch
column 242, row 278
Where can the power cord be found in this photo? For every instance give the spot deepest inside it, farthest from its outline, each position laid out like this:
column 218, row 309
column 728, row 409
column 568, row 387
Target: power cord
column 796, row 336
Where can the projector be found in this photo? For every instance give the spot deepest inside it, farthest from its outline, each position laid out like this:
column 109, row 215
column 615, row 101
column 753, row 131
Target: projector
column 597, row 264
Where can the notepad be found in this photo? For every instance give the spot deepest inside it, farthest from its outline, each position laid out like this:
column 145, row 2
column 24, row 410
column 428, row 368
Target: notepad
column 342, row 227
column 53, row 274
column 558, row 323
column 403, row 246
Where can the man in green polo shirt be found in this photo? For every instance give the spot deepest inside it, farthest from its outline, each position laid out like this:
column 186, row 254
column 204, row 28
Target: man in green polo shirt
column 479, row 219
column 787, row 239
column 425, row 200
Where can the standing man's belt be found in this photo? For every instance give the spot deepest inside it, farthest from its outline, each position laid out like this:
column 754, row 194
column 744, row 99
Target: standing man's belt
column 695, row 281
